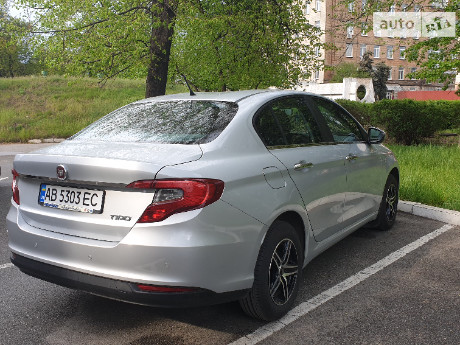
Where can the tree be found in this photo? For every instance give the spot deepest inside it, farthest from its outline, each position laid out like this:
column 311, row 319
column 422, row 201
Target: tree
column 378, row 73
column 107, row 38
column 244, row 44
column 347, row 70
column 15, row 55
column 218, row 45
column 379, row 80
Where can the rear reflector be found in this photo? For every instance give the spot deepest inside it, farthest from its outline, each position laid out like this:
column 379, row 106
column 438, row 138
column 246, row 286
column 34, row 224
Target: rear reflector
column 178, row 195
column 153, row 288
column 15, row 188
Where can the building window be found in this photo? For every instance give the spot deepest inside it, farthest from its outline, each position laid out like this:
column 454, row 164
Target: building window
column 307, row 7
column 349, row 50
column 417, row 8
column 350, row 31
column 317, row 53
column 377, row 52
column 318, row 5
column 413, row 70
column 402, row 50
column 390, row 74
column 363, row 4
column 401, row 73
column 393, row 8
column 362, row 50
column 404, row 7
column 364, row 29
column 317, row 74
column 351, row 6
column 389, row 52
column 318, row 24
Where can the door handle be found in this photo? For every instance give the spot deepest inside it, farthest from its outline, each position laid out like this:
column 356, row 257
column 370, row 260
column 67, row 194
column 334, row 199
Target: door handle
column 351, row 157
column 302, row 165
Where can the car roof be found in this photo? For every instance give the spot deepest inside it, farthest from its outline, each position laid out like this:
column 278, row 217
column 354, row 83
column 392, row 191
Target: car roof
column 228, row 96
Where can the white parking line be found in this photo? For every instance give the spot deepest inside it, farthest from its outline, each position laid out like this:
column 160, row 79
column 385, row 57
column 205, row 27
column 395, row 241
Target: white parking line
column 4, row 178
column 306, row 307
column 6, row 266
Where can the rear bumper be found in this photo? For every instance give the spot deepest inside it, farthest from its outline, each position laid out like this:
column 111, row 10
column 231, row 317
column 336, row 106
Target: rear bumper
column 192, row 253
column 120, row 290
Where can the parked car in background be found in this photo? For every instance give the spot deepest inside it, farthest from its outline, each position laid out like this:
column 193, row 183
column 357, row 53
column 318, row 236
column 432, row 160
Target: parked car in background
column 184, row 199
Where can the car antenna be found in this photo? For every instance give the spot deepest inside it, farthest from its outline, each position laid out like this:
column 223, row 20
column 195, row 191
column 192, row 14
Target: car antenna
column 186, row 82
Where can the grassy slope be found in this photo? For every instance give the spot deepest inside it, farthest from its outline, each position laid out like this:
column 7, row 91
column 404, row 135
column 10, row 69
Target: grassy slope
column 38, row 107
column 430, row 174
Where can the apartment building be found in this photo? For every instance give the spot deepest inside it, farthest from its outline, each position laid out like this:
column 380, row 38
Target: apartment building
column 353, row 41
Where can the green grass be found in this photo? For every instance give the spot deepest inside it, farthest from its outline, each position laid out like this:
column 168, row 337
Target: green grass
column 430, row 175
column 57, row 107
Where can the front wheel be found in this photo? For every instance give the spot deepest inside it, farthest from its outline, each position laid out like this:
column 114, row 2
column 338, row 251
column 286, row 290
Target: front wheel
column 277, row 274
column 389, row 205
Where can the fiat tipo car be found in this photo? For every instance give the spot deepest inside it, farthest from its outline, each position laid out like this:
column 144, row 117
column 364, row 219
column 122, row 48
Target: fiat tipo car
column 184, row 199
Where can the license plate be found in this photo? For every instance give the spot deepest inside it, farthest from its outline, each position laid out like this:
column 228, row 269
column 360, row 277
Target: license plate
column 72, row 199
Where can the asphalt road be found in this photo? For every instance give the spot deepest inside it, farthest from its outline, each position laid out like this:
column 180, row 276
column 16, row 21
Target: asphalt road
column 415, row 300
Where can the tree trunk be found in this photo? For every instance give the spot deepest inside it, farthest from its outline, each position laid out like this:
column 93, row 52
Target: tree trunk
column 160, row 49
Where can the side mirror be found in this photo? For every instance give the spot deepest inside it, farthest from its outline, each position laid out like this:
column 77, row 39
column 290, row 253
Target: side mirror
column 375, row 136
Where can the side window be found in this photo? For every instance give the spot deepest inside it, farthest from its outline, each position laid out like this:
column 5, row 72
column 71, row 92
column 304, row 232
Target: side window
column 343, row 128
column 287, row 121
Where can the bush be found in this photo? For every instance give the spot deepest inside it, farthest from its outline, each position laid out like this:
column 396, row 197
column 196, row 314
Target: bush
column 360, row 111
column 407, row 121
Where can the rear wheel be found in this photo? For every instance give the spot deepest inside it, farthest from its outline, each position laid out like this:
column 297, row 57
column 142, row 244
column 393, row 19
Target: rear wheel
column 389, row 205
column 277, row 274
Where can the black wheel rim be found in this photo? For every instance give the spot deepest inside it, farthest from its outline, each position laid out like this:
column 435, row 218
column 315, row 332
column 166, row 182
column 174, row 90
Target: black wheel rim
column 284, row 269
column 391, row 202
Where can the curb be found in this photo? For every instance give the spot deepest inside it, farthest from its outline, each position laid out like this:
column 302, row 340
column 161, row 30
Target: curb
column 40, row 141
column 431, row 212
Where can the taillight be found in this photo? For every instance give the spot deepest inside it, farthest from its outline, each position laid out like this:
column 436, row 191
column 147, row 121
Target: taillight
column 14, row 187
column 177, row 195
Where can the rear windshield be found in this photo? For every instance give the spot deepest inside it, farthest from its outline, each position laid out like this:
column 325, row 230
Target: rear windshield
column 171, row 122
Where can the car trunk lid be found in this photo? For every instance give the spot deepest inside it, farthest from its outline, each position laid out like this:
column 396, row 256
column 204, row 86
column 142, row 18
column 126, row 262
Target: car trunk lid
column 101, row 168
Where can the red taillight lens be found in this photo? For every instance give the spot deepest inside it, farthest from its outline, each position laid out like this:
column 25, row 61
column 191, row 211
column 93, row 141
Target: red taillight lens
column 14, row 187
column 175, row 196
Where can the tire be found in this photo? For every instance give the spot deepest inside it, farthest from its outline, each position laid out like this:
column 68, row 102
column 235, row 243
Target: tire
column 388, row 206
column 277, row 274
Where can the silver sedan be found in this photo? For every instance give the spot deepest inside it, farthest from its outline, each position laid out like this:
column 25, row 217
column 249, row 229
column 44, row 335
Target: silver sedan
column 184, row 199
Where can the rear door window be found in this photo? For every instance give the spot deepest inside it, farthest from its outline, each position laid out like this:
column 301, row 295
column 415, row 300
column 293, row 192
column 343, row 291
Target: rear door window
column 287, row 122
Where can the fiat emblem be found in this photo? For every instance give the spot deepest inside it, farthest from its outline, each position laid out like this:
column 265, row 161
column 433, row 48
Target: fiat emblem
column 61, row 172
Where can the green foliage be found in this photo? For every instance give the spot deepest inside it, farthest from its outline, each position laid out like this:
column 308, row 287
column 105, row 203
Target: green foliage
column 429, row 175
column 37, row 107
column 360, row 111
column 106, row 38
column 243, row 44
column 407, row 121
column 438, row 57
column 15, row 55
column 234, row 44
column 378, row 73
column 379, row 80
column 347, row 70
